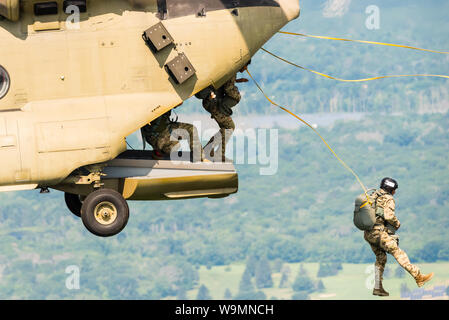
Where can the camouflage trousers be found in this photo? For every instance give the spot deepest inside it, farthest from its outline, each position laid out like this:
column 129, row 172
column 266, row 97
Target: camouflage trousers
column 382, row 243
column 221, row 138
column 168, row 139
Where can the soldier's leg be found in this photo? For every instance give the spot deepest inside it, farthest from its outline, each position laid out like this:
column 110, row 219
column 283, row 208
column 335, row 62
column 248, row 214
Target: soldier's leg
column 227, row 128
column 381, row 259
column 152, row 140
column 222, row 137
column 211, row 106
column 379, row 266
column 189, row 132
column 165, row 144
column 390, row 245
column 230, row 102
column 231, row 91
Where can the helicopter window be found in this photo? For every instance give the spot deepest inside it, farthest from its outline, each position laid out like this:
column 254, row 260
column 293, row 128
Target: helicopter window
column 81, row 4
column 4, row 82
column 45, row 8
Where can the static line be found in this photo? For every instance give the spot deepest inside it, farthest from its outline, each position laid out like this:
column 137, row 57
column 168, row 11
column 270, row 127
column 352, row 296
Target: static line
column 363, row 41
column 355, row 80
column 307, row 124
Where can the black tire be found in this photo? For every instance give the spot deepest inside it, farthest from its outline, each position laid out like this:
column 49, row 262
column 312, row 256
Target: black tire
column 105, row 212
column 74, row 203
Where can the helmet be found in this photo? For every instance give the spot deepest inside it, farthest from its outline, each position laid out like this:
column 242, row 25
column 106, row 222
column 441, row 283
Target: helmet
column 389, row 184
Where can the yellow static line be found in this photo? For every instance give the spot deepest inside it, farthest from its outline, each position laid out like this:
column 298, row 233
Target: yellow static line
column 343, row 80
column 307, row 124
column 356, row 80
column 363, row 41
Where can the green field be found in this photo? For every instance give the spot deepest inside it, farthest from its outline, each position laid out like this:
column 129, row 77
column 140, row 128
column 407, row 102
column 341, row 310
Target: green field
column 349, row 284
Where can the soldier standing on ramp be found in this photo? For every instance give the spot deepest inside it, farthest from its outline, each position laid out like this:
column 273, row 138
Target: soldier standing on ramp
column 219, row 103
column 164, row 134
column 383, row 240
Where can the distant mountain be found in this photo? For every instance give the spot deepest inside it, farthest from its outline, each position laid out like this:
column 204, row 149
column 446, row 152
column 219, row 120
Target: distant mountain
column 416, row 23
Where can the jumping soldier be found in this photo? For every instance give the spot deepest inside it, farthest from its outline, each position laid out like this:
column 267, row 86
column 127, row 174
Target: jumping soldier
column 219, row 104
column 383, row 240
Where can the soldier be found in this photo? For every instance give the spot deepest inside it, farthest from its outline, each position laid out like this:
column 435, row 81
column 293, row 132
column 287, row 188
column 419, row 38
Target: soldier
column 159, row 136
column 219, row 103
column 383, row 240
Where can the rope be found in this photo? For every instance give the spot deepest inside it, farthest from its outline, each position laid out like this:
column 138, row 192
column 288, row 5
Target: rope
column 307, row 124
column 343, row 80
column 356, row 80
column 129, row 145
column 363, row 41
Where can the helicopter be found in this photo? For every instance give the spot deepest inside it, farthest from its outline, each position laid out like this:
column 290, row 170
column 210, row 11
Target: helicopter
column 78, row 77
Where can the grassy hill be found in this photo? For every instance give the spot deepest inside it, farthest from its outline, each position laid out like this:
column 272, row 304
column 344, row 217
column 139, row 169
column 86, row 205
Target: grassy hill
column 351, row 283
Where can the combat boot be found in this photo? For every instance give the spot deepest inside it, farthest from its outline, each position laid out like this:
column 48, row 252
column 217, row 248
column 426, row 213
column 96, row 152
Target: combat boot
column 421, row 279
column 380, row 292
column 378, row 287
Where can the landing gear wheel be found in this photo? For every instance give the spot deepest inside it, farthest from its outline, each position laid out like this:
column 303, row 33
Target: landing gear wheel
column 74, row 203
column 105, row 212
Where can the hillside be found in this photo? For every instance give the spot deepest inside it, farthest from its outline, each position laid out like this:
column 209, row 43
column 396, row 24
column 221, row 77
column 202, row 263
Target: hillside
column 353, row 282
column 301, row 214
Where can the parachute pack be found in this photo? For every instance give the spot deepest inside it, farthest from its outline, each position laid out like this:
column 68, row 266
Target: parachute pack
column 365, row 210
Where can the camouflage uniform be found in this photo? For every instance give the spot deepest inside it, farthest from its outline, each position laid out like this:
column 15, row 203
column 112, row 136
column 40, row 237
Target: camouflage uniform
column 382, row 238
column 227, row 97
column 159, row 136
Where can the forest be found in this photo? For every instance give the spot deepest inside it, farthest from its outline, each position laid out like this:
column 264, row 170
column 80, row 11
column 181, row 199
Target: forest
column 302, row 214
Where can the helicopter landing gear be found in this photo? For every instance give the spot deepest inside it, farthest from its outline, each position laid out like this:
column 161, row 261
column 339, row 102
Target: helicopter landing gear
column 74, row 203
column 105, row 212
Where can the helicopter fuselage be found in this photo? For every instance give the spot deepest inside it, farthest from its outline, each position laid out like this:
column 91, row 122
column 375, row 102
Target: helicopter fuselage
column 76, row 90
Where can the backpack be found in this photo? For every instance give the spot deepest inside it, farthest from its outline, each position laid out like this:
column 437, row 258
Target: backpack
column 364, row 212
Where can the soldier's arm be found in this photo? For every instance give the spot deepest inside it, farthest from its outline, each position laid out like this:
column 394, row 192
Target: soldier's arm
column 389, row 214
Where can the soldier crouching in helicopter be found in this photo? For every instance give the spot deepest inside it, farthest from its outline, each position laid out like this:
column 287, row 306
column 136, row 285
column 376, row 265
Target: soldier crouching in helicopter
column 219, row 104
column 164, row 134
